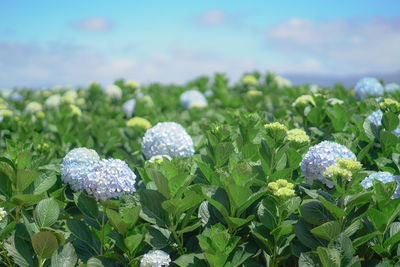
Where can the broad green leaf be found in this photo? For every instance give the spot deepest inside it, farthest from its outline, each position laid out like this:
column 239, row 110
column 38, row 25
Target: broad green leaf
column 25, row 178
column 46, row 213
column 329, row 257
column 80, row 230
column 222, row 153
column 314, row 212
column 132, row 242
column 86, row 204
column 334, row 209
column 328, row 230
column 44, row 244
column 43, row 183
column 65, row 257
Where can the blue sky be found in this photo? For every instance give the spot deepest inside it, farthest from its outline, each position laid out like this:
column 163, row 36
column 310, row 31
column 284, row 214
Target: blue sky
column 44, row 43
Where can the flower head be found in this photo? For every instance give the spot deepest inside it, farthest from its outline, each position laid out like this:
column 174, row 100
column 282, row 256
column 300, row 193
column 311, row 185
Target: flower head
column 33, row 107
column 321, row 156
column 392, row 87
column 16, row 97
column 132, row 84
column 167, row 138
column 389, row 104
column 76, row 165
column 69, row 97
column 110, row 178
column 335, row 169
column 129, row 107
column 53, row 101
column 303, row 101
column 384, row 177
column 281, row 188
column 282, row 82
column 113, row 91
column 368, row 86
column 138, row 122
column 193, row 98
column 159, row 159
column 298, row 136
column 6, row 113
column 249, row 80
column 209, row 93
column 3, row 214
column 75, row 111
column 276, row 129
column 155, row 258
column 376, row 119
column 254, row 93
column 334, row 101
column 349, row 164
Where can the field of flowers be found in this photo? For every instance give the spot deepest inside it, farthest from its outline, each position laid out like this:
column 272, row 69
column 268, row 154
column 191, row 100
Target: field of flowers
column 258, row 173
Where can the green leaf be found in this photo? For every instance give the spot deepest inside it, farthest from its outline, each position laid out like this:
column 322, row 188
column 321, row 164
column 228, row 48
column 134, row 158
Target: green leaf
column 238, row 194
column 46, row 213
column 335, row 210
column 117, row 221
column 23, row 159
column 309, row 259
column 377, row 217
column 362, row 239
column 314, row 212
column 328, row 230
column 304, row 235
column 80, row 230
column 132, row 242
column 65, row 257
column 86, row 204
column 241, row 173
column 344, row 246
column 44, row 244
column 371, row 130
column 190, row 260
column 160, row 181
column 329, row 257
column 152, row 211
column 25, row 178
column 43, row 183
column 26, row 199
column 222, row 153
column 5, row 185
column 390, row 121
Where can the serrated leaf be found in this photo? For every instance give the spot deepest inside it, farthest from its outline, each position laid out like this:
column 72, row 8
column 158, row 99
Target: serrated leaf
column 46, row 213
column 44, row 244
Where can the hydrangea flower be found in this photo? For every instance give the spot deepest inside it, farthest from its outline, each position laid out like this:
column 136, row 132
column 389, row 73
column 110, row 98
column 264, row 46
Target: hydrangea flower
column 75, row 111
column 6, row 113
column 334, row 101
column 321, row 156
column 209, row 93
column 282, row 82
column 110, row 178
column 16, row 97
column 276, row 130
column 376, row 119
column 389, row 104
column 132, row 84
column 249, row 80
column 384, row 177
column 368, row 86
column 303, row 100
column 33, row 107
column 254, row 93
column 167, row 138
column 298, row 136
column 392, row 87
column 129, row 107
column 76, row 164
column 3, row 214
column 193, row 98
column 69, row 97
column 138, row 122
column 159, row 158
column 155, row 258
column 53, row 101
column 113, row 91
column 282, row 188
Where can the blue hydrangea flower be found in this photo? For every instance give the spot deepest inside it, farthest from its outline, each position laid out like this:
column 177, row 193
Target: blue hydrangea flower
column 16, row 97
column 376, row 118
column 110, row 178
column 155, row 258
column 209, row 93
column 384, row 177
column 392, row 87
column 321, row 156
column 129, row 107
column 167, row 138
column 193, row 98
column 76, row 164
column 368, row 86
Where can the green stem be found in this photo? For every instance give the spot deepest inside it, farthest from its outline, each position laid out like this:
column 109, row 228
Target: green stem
column 102, row 230
column 41, row 262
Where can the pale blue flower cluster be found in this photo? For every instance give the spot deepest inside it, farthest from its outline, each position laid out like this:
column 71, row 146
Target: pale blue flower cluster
column 392, row 87
column 129, row 107
column 155, row 258
column 384, row 177
column 193, row 98
column 107, row 178
column 76, row 164
column 167, row 138
column 376, row 119
column 368, row 86
column 321, row 156
column 16, row 97
column 110, row 178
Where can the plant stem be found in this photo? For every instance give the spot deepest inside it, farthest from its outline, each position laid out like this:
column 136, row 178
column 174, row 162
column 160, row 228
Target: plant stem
column 40, row 262
column 102, row 230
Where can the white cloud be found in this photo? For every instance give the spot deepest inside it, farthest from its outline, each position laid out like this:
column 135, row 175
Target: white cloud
column 213, row 17
column 350, row 46
column 93, row 24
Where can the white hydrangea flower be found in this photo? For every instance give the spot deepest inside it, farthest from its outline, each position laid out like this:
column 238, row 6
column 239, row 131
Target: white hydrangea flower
column 76, row 165
column 167, row 138
column 129, row 107
column 110, row 178
column 113, row 91
column 321, row 156
column 3, row 214
column 33, row 107
column 282, row 82
column 53, row 101
column 155, row 258
column 193, row 98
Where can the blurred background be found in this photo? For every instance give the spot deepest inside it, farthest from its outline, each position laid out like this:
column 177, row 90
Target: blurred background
column 48, row 43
